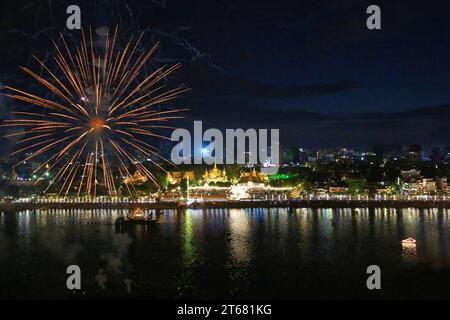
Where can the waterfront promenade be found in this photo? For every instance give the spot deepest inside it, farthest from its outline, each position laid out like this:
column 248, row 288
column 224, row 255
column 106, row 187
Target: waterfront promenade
column 172, row 205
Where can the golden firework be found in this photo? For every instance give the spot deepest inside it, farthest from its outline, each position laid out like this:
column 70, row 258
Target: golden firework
column 100, row 115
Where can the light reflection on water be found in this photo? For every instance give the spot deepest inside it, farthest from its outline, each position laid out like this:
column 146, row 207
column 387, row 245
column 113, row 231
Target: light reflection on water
column 222, row 253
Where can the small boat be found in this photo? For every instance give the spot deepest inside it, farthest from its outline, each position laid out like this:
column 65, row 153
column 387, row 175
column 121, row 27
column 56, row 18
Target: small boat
column 409, row 241
column 136, row 216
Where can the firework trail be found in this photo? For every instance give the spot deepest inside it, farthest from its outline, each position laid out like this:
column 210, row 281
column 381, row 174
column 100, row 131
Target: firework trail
column 102, row 112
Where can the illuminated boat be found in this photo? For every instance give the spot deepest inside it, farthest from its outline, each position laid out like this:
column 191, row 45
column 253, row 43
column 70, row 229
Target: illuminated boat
column 409, row 241
column 136, row 216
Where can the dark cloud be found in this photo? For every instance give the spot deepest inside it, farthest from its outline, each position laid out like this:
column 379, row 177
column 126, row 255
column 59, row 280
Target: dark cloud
column 428, row 125
column 221, row 84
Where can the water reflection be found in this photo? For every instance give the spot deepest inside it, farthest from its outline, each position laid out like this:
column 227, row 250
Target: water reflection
column 189, row 252
column 409, row 252
column 239, row 236
column 220, row 252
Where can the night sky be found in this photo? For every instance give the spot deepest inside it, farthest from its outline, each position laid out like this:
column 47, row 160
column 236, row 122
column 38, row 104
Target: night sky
column 310, row 68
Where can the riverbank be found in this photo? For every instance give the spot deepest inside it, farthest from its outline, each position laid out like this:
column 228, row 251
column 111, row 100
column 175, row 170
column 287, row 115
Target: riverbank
column 231, row 204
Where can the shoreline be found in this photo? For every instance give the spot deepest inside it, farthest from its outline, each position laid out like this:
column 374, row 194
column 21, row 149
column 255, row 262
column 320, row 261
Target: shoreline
column 290, row 204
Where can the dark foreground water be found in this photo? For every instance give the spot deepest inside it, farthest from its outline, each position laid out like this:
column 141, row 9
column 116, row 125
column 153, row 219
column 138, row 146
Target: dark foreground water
column 251, row 253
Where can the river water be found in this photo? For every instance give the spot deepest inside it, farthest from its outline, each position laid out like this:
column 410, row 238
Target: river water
column 227, row 254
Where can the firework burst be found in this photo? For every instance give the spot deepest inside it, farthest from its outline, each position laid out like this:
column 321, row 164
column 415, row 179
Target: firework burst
column 101, row 112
